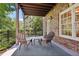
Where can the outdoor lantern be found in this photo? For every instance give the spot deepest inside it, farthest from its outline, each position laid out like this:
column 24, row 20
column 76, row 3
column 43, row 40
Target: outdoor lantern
column 51, row 17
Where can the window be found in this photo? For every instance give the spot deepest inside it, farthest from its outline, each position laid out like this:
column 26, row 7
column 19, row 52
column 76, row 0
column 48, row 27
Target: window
column 66, row 23
column 69, row 22
column 77, row 20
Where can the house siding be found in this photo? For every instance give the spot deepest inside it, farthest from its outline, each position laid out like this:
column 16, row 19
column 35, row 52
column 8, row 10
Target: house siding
column 54, row 12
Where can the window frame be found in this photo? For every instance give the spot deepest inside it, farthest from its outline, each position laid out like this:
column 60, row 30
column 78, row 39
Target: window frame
column 72, row 9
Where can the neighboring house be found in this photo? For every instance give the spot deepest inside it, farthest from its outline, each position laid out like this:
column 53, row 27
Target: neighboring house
column 63, row 19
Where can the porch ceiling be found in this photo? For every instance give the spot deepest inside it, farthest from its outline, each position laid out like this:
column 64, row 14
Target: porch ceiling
column 36, row 9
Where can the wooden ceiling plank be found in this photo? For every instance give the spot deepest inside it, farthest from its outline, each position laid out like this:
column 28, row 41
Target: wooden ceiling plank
column 36, row 9
column 43, row 4
column 26, row 8
column 33, row 14
column 35, row 6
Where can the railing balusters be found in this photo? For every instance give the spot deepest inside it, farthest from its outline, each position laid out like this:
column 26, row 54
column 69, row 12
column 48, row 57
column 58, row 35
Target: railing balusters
column 7, row 39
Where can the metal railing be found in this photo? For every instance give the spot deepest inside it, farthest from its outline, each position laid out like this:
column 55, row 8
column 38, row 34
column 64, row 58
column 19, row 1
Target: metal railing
column 7, row 39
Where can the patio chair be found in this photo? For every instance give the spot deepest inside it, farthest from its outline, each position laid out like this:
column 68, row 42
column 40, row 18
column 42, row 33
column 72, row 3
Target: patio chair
column 48, row 38
column 22, row 41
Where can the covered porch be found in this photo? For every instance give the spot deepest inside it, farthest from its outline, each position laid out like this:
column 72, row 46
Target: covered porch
column 44, row 10
column 40, row 50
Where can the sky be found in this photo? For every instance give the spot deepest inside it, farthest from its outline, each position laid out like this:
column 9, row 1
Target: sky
column 13, row 15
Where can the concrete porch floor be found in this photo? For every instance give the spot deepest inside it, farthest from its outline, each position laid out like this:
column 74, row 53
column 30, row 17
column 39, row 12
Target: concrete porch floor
column 38, row 50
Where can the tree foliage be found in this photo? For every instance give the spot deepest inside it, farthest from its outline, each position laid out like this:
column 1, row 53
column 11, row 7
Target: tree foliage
column 5, row 20
column 7, row 26
column 37, row 25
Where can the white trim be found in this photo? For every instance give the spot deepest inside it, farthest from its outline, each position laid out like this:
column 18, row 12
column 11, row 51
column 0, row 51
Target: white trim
column 72, row 9
column 73, row 6
column 73, row 23
column 66, row 36
column 60, row 24
column 70, row 37
column 10, row 51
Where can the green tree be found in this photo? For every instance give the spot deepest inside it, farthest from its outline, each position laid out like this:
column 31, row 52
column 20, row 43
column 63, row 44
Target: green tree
column 37, row 25
column 5, row 20
column 7, row 38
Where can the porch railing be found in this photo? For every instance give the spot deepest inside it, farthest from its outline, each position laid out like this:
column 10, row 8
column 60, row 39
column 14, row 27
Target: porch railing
column 7, row 39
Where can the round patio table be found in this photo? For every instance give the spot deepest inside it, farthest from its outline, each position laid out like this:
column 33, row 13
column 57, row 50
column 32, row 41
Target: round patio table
column 35, row 38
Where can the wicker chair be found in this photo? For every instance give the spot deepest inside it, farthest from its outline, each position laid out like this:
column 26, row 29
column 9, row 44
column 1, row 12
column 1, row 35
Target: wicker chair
column 48, row 38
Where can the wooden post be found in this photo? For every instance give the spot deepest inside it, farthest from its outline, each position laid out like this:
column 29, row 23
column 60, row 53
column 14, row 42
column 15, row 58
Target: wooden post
column 24, row 26
column 17, row 23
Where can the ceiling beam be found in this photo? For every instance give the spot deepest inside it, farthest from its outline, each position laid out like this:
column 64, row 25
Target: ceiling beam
column 43, row 4
column 34, row 14
column 27, row 8
column 30, row 11
column 34, row 6
column 36, row 9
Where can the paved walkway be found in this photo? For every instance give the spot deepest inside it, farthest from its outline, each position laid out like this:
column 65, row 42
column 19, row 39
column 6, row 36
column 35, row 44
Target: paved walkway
column 38, row 50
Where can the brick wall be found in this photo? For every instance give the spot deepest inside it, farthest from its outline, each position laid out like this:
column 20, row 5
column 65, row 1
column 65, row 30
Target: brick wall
column 71, row 44
column 55, row 14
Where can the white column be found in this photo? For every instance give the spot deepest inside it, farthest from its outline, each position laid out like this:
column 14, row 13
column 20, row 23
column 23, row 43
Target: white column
column 48, row 26
column 44, row 26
